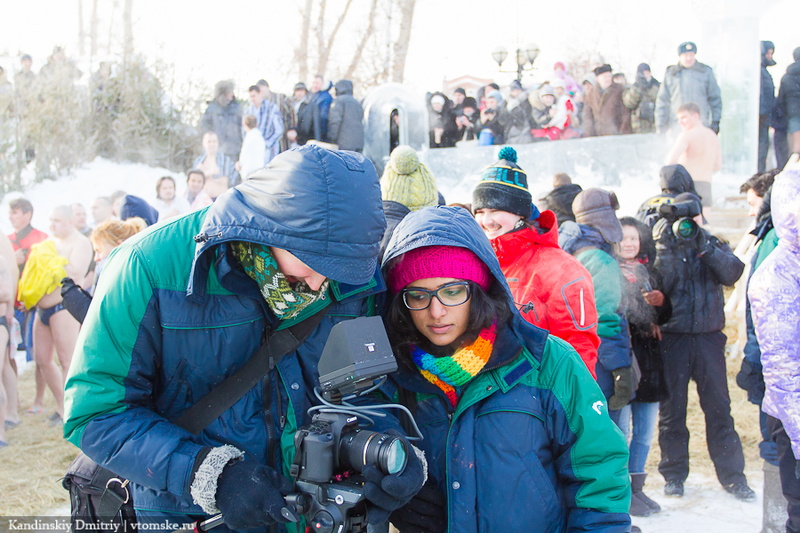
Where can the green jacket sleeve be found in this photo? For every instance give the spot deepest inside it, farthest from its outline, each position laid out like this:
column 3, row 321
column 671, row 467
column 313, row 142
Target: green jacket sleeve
column 606, row 277
column 598, row 473
column 767, row 245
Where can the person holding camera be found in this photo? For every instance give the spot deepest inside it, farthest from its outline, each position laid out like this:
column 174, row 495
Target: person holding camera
column 694, row 266
column 184, row 306
column 516, row 432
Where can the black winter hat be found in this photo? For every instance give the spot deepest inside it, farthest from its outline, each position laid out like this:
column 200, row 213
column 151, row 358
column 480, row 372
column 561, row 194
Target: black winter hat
column 642, row 67
column 504, row 186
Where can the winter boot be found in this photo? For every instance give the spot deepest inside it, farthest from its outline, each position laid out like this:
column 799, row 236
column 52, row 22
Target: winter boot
column 637, row 486
column 673, row 488
column 635, row 529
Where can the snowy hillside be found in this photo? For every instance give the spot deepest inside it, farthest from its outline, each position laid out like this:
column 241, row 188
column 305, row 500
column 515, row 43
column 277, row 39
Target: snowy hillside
column 98, row 178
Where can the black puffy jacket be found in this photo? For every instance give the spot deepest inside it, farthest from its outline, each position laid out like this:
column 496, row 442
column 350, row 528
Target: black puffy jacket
column 789, row 93
column 693, row 278
column 345, row 126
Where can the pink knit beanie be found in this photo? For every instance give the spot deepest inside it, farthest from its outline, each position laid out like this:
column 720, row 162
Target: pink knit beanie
column 438, row 262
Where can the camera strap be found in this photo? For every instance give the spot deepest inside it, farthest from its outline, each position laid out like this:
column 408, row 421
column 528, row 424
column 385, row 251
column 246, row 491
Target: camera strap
column 223, row 396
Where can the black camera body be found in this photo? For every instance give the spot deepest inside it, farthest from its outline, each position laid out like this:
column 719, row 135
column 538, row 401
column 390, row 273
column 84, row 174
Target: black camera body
column 331, row 452
column 681, row 215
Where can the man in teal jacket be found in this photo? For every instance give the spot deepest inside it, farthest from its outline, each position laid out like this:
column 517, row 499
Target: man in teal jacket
column 183, row 305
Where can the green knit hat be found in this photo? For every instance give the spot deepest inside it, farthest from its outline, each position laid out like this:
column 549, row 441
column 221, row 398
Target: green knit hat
column 504, row 186
column 408, row 181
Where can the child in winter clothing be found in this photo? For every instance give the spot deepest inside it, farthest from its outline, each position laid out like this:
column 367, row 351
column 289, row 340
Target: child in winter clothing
column 647, row 308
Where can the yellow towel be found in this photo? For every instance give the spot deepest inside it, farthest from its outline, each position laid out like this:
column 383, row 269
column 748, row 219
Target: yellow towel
column 42, row 274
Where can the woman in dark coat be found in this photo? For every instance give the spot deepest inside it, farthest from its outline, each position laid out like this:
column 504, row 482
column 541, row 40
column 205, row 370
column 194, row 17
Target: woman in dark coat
column 647, row 308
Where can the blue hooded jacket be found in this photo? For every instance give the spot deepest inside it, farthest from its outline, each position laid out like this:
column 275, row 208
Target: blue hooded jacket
column 529, row 446
column 174, row 315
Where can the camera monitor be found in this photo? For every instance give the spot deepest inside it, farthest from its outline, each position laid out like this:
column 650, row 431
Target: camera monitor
column 356, row 353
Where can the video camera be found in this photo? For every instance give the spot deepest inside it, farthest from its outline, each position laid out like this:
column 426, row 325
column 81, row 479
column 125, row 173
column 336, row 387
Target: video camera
column 332, row 451
column 681, row 215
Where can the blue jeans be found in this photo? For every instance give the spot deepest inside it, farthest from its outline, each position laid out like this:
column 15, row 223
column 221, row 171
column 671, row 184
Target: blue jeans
column 645, row 416
column 25, row 319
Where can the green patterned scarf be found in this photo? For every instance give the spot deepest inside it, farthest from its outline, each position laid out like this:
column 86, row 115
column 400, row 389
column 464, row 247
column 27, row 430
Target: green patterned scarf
column 286, row 301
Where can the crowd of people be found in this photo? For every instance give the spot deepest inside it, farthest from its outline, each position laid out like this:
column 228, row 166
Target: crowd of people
column 604, row 103
column 540, row 342
column 633, row 307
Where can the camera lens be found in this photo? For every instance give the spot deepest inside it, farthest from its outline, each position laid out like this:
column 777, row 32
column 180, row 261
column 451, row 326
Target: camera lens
column 685, row 228
column 360, row 448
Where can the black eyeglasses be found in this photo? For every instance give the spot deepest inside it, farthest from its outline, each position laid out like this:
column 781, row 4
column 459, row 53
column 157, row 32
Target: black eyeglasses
column 451, row 294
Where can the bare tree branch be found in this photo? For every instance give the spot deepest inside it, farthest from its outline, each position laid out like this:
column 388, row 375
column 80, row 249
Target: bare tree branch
column 301, row 52
column 403, row 40
column 363, row 43
column 320, row 30
column 325, row 53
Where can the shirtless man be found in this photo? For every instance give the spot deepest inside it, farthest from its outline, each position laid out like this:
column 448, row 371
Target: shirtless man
column 697, row 149
column 54, row 326
column 218, row 168
column 9, row 275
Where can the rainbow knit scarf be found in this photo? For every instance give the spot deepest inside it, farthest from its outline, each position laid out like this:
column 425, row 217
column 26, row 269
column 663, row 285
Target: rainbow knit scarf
column 453, row 372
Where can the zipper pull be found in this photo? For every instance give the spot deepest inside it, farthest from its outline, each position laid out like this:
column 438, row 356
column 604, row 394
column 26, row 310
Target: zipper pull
column 204, row 237
column 282, row 421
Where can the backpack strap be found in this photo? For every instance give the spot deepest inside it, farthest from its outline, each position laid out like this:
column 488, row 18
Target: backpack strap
column 223, row 396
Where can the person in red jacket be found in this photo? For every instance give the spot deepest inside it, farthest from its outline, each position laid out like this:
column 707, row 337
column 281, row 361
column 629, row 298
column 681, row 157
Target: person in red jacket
column 551, row 288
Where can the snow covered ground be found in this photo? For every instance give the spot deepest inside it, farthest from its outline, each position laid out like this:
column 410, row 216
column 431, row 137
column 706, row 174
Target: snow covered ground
column 706, row 507
column 101, row 177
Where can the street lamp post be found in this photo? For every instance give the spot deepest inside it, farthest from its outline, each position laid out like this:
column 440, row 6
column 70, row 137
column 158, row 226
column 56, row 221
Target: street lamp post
column 525, row 55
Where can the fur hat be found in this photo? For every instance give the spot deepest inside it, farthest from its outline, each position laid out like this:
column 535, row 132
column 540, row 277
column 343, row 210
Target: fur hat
column 595, row 207
column 407, row 181
column 437, row 262
column 602, row 68
column 504, row 186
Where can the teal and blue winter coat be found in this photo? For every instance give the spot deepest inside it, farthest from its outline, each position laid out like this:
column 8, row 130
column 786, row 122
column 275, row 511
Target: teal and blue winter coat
column 174, row 316
column 530, row 446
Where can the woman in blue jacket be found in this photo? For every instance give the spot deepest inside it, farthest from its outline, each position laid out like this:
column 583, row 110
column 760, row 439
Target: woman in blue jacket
column 516, row 432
